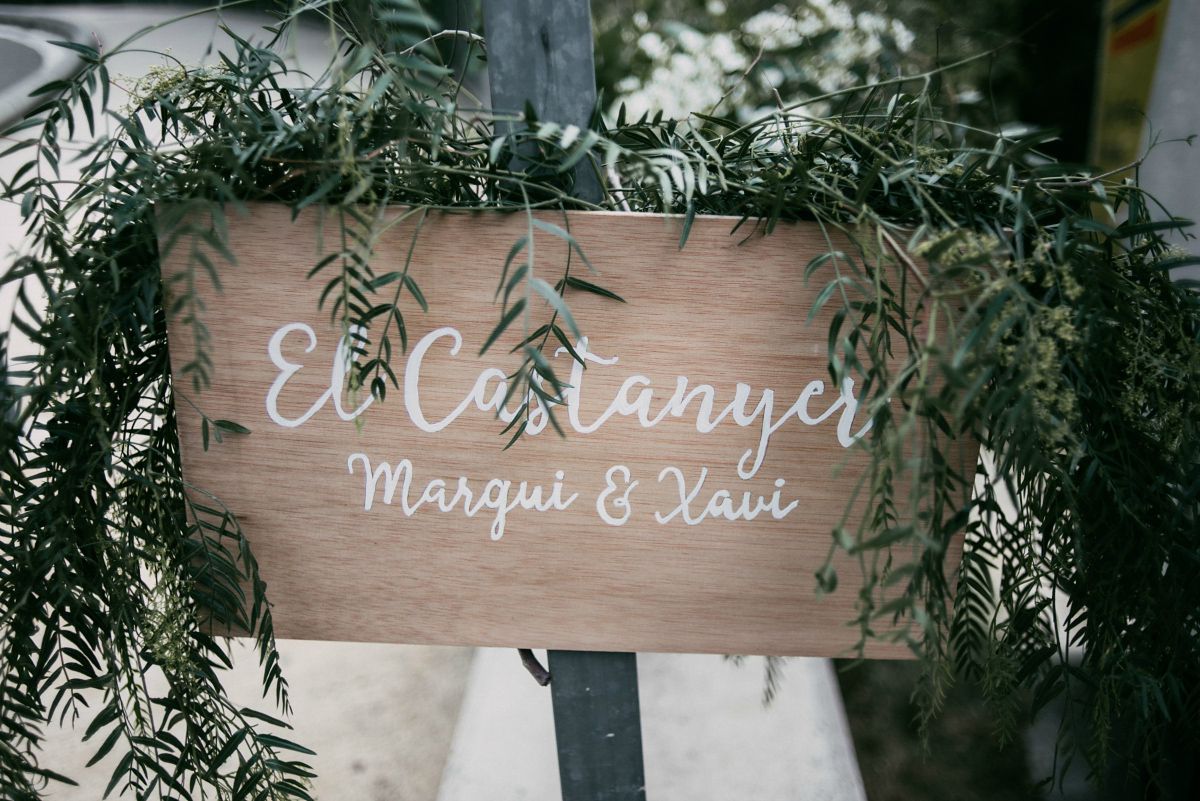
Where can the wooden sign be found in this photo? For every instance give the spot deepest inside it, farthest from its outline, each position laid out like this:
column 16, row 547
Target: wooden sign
column 687, row 508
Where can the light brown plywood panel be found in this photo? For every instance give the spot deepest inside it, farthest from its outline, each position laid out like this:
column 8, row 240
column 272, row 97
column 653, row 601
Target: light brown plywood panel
column 727, row 310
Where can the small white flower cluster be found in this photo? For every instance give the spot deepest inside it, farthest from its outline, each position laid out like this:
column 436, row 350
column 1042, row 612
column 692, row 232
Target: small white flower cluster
column 688, row 73
column 692, row 71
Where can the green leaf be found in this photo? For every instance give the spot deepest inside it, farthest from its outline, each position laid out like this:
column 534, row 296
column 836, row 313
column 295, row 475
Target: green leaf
column 228, row 749
column 560, row 305
column 516, row 248
column 824, row 295
column 1127, row 230
column 502, row 326
column 1171, row 264
column 253, row 713
column 383, row 280
column 90, row 52
column 815, row 263
column 106, row 746
column 119, row 772
column 52, row 86
column 562, row 234
column 578, row 283
column 494, row 150
column 271, row 741
column 827, row 579
column 415, row 291
column 687, row 223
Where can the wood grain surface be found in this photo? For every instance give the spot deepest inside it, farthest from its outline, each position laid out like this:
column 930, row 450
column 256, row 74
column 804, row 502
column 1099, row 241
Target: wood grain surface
column 725, row 311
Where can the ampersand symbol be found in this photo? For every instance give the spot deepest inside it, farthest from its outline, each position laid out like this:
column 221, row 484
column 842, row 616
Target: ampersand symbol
column 619, row 503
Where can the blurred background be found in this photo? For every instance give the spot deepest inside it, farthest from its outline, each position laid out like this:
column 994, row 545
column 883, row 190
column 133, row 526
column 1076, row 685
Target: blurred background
column 1038, row 63
column 1097, row 82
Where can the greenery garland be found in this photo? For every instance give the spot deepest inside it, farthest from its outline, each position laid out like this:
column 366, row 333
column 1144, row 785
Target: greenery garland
column 991, row 294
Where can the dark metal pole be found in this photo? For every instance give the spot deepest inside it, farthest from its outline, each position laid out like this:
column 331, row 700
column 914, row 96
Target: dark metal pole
column 541, row 51
column 597, row 721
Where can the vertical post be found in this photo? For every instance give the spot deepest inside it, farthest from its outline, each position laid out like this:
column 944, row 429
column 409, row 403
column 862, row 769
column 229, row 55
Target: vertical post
column 541, row 51
column 597, row 722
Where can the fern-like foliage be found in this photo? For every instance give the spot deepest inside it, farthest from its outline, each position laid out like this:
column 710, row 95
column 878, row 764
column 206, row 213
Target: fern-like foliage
column 989, row 295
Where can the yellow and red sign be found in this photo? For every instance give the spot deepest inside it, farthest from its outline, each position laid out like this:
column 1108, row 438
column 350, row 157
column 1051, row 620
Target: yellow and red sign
column 1129, row 54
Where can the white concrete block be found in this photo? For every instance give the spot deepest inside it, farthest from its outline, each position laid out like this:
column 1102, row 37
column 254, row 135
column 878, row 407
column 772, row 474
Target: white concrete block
column 503, row 745
column 706, row 734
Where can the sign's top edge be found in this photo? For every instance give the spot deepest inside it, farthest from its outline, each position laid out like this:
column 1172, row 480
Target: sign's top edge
column 627, row 215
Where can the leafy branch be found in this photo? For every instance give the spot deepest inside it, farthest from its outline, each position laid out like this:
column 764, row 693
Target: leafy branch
column 973, row 296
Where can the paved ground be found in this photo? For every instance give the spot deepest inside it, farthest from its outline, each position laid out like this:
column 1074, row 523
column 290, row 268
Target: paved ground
column 706, row 734
column 380, row 718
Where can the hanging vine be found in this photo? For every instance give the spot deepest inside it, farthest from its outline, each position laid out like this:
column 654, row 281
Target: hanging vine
column 990, row 295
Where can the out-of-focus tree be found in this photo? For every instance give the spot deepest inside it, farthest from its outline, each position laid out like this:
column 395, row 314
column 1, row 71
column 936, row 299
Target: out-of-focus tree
column 1034, row 62
column 743, row 65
